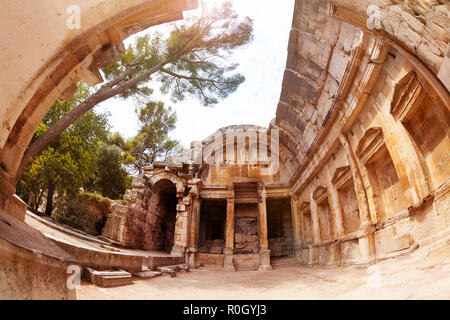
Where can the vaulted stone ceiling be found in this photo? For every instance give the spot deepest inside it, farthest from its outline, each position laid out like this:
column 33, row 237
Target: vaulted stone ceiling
column 326, row 42
column 320, row 49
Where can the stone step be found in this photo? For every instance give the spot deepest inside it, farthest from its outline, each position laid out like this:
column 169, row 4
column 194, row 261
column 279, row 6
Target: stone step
column 114, row 281
column 153, row 262
column 108, row 278
column 147, row 274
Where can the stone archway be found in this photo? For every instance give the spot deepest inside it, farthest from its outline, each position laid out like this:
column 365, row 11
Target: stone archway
column 178, row 186
column 47, row 56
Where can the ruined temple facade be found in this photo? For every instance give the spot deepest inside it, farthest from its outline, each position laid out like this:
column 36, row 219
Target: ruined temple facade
column 362, row 123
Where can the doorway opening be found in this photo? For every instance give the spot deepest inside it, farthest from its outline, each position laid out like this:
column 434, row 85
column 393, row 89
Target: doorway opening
column 279, row 227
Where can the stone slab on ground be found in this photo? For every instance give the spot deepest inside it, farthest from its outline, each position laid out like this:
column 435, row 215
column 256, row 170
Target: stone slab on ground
column 153, row 262
column 108, row 278
column 148, row 274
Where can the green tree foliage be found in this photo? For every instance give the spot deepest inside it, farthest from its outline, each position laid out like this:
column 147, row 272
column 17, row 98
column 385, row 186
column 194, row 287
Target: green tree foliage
column 69, row 161
column 111, row 179
column 152, row 141
column 191, row 59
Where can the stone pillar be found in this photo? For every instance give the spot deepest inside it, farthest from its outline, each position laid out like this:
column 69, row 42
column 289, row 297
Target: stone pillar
column 335, row 206
column 229, row 237
column 315, row 221
column 302, row 224
column 360, row 190
column 296, row 225
column 180, row 245
column 313, row 252
column 264, row 252
column 193, row 243
column 367, row 243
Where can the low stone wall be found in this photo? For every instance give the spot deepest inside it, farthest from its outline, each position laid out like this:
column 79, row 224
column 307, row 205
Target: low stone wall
column 154, row 261
column 31, row 266
column 15, row 207
column 209, row 260
column 100, row 259
column 246, row 261
column 85, row 212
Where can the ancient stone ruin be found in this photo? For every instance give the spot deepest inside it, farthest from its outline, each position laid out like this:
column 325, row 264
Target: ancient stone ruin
column 362, row 170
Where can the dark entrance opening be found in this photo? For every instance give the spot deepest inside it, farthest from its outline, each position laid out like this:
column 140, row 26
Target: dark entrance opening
column 213, row 215
column 279, row 224
column 162, row 237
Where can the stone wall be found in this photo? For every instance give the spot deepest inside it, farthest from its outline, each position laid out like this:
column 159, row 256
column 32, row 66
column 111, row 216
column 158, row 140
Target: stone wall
column 155, row 213
column 246, row 225
column 85, row 212
column 374, row 183
column 48, row 52
column 146, row 221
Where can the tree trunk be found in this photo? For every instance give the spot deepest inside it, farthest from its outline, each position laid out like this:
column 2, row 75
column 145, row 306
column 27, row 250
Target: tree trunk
column 141, row 160
column 108, row 90
column 39, row 200
column 50, row 192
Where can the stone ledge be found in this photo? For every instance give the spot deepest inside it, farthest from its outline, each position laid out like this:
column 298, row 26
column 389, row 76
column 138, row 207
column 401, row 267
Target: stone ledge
column 25, row 251
column 101, row 259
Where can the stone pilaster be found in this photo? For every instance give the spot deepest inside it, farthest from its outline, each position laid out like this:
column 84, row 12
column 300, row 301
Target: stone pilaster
column 192, row 252
column 229, row 237
column 363, row 205
column 264, row 252
column 296, row 222
column 181, row 227
column 194, row 228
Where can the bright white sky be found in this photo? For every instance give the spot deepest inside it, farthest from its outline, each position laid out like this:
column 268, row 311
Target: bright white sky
column 262, row 63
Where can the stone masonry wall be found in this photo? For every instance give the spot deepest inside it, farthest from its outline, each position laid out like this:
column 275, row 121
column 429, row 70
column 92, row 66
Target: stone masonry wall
column 380, row 167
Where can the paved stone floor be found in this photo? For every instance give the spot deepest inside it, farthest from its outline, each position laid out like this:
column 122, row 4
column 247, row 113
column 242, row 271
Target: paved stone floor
column 424, row 274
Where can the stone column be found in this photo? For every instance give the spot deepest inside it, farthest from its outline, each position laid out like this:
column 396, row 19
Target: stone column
column 296, row 224
column 193, row 243
column 313, row 253
column 181, row 228
column 229, row 237
column 335, row 206
column 302, row 225
column 264, row 252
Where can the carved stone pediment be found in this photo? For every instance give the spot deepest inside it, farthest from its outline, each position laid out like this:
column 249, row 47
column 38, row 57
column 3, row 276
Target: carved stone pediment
column 320, row 194
column 369, row 144
column 341, row 176
column 408, row 94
